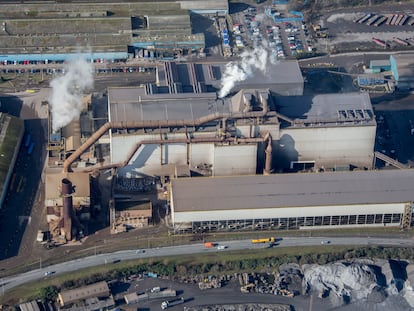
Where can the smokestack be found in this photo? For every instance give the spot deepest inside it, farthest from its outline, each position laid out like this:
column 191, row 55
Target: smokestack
column 268, row 152
column 67, row 191
column 66, row 97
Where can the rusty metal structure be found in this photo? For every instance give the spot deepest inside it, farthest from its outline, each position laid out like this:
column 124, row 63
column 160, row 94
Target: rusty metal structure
column 67, row 190
column 268, row 152
column 165, row 124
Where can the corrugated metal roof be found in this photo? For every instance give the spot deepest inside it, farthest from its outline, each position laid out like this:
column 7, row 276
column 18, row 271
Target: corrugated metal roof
column 130, row 104
column 99, row 289
column 323, row 108
column 379, row 63
column 280, row 73
column 29, row 306
column 205, row 5
column 293, row 190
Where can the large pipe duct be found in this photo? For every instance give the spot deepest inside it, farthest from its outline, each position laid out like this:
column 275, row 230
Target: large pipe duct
column 156, row 124
column 268, row 152
column 67, row 191
column 199, row 140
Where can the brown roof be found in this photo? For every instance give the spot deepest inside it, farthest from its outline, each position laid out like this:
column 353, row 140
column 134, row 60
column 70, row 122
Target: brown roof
column 99, row 289
column 78, row 179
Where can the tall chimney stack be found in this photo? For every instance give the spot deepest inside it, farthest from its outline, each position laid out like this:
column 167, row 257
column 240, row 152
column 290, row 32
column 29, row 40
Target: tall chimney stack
column 67, row 191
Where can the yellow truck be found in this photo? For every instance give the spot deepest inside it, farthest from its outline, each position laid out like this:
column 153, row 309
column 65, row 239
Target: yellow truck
column 266, row 240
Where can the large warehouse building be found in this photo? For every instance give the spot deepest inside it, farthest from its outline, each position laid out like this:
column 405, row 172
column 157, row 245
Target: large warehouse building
column 293, row 201
column 110, row 30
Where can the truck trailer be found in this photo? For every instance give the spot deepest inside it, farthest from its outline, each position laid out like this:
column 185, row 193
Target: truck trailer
column 209, row 244
column 170, row 303
column 266, row 240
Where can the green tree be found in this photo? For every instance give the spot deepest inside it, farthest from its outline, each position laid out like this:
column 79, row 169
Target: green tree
column 49, row 293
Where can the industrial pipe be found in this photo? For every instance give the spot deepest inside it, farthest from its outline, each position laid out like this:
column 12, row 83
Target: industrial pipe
column 198, row 140
column 67, row 211
column 155, row 124
column 268, row 152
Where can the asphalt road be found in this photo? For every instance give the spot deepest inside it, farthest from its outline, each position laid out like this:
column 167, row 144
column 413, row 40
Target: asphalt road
column 101, row 259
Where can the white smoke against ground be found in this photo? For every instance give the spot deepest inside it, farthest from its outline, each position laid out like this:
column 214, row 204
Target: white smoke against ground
column 68, row 89
column 250, row 61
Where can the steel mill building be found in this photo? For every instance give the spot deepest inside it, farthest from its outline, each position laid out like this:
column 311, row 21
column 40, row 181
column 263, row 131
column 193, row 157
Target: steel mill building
column 112, row 31
column 246, row 133
column 293, row 201
column 180, row 128
column 154, row 129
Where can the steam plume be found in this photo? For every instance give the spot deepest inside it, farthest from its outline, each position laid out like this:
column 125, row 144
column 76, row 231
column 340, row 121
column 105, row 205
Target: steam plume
column 244, row 68
column 67, row 92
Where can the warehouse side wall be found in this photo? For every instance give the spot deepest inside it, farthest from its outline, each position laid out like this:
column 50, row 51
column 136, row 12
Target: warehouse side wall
column 327, row 146
column 290, row 218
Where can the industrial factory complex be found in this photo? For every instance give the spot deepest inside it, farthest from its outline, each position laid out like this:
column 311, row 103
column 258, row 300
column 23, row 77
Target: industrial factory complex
column 232, row 163
column 263, row 156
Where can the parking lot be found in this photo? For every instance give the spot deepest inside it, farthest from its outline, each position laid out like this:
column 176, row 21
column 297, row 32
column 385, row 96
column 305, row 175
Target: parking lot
column 263, row 26
column 287, row 35
column 346, row 32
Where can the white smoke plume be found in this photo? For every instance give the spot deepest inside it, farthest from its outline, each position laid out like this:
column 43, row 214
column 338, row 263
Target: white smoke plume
column 250, row 60
column 68, row 89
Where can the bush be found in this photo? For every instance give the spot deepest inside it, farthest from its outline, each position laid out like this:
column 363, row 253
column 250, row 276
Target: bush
column 48, row 293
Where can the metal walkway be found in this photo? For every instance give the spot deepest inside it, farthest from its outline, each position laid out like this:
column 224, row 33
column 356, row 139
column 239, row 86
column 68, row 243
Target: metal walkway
column 391, row 161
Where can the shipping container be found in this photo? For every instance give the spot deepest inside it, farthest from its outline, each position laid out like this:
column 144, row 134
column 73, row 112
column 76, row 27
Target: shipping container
column 398, row 20
column 404, row 19
column 365, row 18
column 379, row 42
column 380, row 21
column 400, row 41
column 394, row 18
column 372, row 20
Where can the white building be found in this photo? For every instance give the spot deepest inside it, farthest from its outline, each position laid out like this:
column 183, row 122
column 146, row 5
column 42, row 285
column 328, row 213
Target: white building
column 293, row 201
column 329, row 130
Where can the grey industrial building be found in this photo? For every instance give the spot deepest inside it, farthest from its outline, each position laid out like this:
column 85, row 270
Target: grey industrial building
column 206, row 133
column 402, row 67
column 107, row 31
column 293, row 201
column 283, row 78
